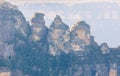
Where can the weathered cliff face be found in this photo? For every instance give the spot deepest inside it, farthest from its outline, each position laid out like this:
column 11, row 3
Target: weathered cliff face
column 7, row 30
column 35, row 50
column 13, row 31
column 58, row 35
column 12, row 25
column 61, row 39
column 79, row 38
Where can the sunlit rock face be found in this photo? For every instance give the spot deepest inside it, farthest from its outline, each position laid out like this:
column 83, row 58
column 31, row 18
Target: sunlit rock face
column 4, row 71
column 104, row 48
column 39, row 31
column 58, row 35
column 80, row 36
column 113, row 69
column 12, row 27
column 5, row 74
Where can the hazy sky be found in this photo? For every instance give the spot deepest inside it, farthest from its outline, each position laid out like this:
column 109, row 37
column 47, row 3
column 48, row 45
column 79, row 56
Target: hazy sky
column 102, row 15
column 61, row 1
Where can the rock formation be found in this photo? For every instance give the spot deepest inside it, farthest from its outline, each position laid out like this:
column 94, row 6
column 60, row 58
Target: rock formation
column 58, row 35
column 80, row 37
column 35, row 50
column 12, row 26
column 39, row 32
column 104, row 48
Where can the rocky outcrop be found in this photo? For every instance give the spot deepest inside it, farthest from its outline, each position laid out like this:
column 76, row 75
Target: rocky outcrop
column 58, row 35
column 62, row 40
column 80, row 36
column 104, row 48
column 93, row 43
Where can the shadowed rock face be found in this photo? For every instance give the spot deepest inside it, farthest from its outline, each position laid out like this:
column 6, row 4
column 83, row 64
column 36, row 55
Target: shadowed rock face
column 35, row 50
column 38, row 19
column 104, row 48
column 93, row 43
column 39, row 32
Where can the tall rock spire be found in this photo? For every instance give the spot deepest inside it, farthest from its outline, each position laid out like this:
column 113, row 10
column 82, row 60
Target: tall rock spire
column 58, row 35
column 39, row 31
column 80, row 36
column 38, row 27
